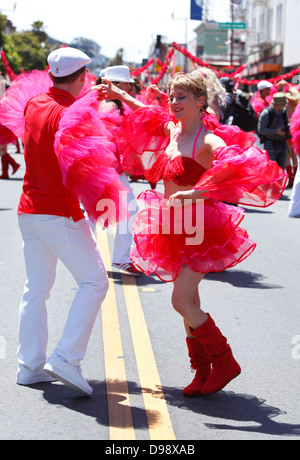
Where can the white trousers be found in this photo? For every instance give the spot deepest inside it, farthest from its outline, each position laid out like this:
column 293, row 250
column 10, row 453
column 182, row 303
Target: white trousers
column 47, row 239
column 123, row 237
column 294, row 207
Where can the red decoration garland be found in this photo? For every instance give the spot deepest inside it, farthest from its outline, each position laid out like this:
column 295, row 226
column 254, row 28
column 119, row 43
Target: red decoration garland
column 164, row 67
column 244, row 81
column 286, row 76
column 195, row 60
column 140, row 70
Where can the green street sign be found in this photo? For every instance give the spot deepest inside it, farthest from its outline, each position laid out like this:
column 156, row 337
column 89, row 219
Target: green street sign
column 232, row 25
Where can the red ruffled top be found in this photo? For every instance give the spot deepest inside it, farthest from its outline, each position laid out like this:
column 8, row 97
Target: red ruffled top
column 240, row 172
column 181, row 170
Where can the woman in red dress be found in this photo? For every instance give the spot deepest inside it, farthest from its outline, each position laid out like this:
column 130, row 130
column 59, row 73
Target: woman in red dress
column 189, row 230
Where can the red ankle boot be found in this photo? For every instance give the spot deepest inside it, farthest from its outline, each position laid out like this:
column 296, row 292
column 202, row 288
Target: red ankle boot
column 291, row 174
column 200, row 363
column 224, row 366
column 13, row 163
column 5, row 165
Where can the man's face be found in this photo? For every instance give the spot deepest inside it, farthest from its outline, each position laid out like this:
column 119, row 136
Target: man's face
column 265, row 92
column 279, row 107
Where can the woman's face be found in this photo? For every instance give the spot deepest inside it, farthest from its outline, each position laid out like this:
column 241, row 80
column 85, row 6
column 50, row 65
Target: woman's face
column 125, row 86
column 185, row 104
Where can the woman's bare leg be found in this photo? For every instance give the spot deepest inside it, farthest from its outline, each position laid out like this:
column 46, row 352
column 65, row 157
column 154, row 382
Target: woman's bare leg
column 197, row 303
column 185, row 298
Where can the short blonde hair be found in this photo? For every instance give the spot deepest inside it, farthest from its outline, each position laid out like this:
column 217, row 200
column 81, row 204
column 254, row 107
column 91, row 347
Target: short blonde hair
column 193, row 82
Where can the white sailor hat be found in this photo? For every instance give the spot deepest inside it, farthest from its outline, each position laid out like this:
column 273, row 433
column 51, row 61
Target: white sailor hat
column 67, row 60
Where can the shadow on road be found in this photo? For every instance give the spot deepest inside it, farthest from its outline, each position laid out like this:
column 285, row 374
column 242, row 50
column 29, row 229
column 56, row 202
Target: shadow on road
column 240, row 278
column 246, row 413
column 241, row 412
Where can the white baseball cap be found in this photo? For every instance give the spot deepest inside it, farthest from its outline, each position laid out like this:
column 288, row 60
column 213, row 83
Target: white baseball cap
column 67, row 60
column 118, row 73
column 264, row 84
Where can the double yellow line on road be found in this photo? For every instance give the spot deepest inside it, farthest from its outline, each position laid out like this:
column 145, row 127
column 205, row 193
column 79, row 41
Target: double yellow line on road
column 120, row 414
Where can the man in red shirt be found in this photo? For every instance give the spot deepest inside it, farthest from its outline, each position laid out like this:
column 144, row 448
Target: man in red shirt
column 53, row 227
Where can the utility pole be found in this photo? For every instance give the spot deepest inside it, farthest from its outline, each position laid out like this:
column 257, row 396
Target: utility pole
column 232, row 33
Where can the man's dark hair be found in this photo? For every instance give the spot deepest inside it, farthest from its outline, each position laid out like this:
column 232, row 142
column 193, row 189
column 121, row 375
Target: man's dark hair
column 68, row 78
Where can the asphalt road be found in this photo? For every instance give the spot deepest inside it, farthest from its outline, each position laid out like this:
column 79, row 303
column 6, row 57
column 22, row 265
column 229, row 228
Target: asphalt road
column 137, row 360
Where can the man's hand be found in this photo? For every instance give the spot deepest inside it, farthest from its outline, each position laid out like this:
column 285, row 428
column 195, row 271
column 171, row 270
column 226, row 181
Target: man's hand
column 280, row 132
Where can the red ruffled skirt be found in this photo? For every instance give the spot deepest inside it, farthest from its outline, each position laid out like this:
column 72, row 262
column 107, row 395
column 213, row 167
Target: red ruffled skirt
column 204, row 236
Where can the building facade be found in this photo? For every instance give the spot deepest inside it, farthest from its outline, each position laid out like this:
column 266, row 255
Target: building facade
column 211, row 44
column 271, row 37
column 269, row 45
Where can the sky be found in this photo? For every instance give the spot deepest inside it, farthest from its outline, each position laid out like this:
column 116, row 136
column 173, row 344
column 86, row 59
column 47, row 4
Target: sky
column 113, row 24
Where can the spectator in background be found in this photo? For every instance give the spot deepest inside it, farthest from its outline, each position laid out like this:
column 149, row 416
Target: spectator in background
column 7, row 160
column 273, row 128
column 293, row 98
column 7, row 137
column 260, row 101
column 228, row 110
column 4, row 84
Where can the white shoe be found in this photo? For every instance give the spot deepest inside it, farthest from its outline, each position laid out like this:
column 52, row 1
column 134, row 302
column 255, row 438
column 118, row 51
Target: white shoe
column 68, row 374
column 27, row 377
column 128, row 268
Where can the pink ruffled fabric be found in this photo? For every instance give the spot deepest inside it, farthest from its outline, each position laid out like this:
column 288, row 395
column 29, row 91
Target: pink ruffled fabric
column 24, row 87
column 142, row 138
column 243, row 176
column 86, row 155
column 295, row 129
column 113, row 119
column 231, row 134
column 162, row 246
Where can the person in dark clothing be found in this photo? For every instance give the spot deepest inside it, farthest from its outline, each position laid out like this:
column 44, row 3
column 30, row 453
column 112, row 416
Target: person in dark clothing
column 228, row 109
column 273, row 129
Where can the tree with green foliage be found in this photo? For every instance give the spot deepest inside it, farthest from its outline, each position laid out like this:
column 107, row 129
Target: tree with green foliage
column 118, row 59
column 3, row 21
column 26, row 50
column 38, row 31
column 26, row 45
